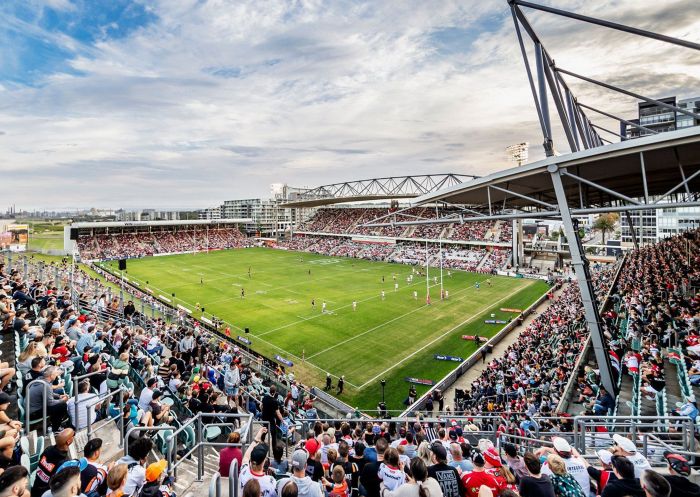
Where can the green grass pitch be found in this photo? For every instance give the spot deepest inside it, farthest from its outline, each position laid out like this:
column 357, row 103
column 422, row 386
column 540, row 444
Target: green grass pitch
column 391, row 338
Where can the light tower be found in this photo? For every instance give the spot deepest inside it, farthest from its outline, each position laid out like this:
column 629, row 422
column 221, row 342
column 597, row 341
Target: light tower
column 518, row 153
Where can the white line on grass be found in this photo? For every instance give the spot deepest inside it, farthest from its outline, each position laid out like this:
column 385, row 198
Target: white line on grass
column 382, row 324
column 478, row 313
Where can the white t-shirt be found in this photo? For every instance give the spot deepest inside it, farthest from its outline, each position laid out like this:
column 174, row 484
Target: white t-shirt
column 145, row 398
column 577, row 468
column 153, row 342
column 86, row 403
column 640, row 463
column 393, row 478
column 267, row 482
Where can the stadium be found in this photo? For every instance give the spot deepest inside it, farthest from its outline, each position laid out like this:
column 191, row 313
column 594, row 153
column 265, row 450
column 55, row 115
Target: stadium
column 396, row 334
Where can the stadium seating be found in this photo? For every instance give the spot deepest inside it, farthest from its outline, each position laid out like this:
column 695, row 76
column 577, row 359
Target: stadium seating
column 128, row 245
column 654, row 326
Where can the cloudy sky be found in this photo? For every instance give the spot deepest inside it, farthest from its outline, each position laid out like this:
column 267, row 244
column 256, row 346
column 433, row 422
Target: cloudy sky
column 186, row 103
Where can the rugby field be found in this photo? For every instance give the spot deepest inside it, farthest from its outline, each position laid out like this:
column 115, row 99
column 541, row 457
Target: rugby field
column 391, row 338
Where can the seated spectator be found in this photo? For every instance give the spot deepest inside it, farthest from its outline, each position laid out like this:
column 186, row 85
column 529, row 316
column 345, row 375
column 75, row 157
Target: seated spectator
column 50, row 460
column 654, row 484
column 135, row 463
column 93, row 479
column 535, row 484
column 55, row 403
column 565, row 485
column 88, row 404
column 306, row 487
column 253, row 466
column 627, row 448
column 678, row 472
column 116, row 479
column 14, row 482
column 228, row 454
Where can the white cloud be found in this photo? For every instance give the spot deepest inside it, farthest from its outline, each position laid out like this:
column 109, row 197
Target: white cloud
column 219, row 99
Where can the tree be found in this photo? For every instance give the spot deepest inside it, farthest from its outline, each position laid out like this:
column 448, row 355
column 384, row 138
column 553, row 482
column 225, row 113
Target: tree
column 605, row 223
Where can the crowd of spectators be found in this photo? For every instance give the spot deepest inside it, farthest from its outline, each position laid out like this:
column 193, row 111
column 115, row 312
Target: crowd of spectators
column 453, row 256
column 142, row 244
column 348, row 221
column 533, row 372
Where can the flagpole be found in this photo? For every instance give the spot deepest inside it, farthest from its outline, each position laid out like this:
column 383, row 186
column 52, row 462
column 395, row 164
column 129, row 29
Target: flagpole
column 442, row 290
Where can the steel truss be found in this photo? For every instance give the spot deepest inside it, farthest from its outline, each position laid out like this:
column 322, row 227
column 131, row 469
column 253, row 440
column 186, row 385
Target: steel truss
column 580, row 131
column 384, row 188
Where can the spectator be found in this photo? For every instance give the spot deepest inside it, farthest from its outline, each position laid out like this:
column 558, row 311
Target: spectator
column 472, row 482
column 155, row 486
column 93, row 479
column 446, row 476
column 116, row 479
column 626, row 447
column 88, row 403
column 66, row 483
column 50, row 460
column 135, row 463
column 601, row 477
column 458, row 461
column 625, row 483
column 419, row 484
column 678, row 473
column 654, row 484
column 252, row 489
column 306, row 487
column 253, row 466
column 55, row 403
column 535, row 484
column 147, row 394
column 369, row 476
column 515, row 462
column 574, row 463
column 14, row 482
column 228, row 454
column 565, row 485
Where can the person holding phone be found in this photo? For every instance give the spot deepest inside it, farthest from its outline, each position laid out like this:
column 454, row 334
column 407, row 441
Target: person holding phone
column 254, row 465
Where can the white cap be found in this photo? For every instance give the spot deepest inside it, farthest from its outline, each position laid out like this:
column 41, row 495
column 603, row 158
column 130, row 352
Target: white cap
column 625, row 443
column 561, row 445
column 605, row 456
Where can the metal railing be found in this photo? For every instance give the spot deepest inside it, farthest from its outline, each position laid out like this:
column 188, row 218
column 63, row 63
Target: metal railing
column 76, row 385
column 91, row 430
column 199, row 427
column 45, row 386
column 215, row 485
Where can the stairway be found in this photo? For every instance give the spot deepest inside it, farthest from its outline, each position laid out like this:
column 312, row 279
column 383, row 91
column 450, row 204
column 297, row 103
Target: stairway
column 624, row 396
column 673, row 388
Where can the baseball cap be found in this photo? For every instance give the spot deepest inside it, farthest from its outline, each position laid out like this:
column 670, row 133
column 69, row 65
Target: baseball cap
column 561, row 445
column 5, row 398
column 259, row 453
column 678, row 463
column 625, row 443
column 157, row 394
column 439, row 450
column 299, row 459
column 154, row 470
column 605, row 456
column 81, row 464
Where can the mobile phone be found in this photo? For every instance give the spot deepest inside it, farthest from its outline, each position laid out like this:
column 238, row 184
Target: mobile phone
column 263, row 436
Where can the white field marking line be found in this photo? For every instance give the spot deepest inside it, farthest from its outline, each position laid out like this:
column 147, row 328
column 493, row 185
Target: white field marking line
column 382, row 324
column 476, row 315
column 374, row 296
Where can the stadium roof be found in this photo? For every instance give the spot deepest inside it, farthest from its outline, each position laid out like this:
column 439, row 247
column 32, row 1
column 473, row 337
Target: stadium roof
column 650, row 167
column 393, row 187
column 131, row 224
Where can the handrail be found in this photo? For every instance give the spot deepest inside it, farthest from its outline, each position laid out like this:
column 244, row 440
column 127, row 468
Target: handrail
column 92, row 430
column 196, row 423
column 215, row 486
column 133, row 429
column 27, row 398
column 76, row 383
column 233, row 479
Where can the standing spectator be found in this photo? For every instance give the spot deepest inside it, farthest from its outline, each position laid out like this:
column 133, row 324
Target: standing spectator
column 271, row 413
column 147, row 394
column 369, row 476
column 565, row 485
column 446, row 476
column 574, row 463
column 535, row 484
column 254, row 466
column 625, row 484
column 473, row 481
column 419, row 483
column 626, row 447
column 458, row 461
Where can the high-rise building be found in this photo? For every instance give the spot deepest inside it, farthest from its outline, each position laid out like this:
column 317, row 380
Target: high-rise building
column 652, row 225
column 660, row 119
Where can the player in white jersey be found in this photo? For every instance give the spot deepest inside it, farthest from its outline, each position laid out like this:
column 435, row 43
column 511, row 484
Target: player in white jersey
column 354, row 305
column 396, row 287
column 383, row 295
column 415, row 295
column 323, row 308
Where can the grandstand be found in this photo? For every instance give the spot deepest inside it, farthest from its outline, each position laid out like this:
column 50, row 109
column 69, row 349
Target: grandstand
column 602, row 380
